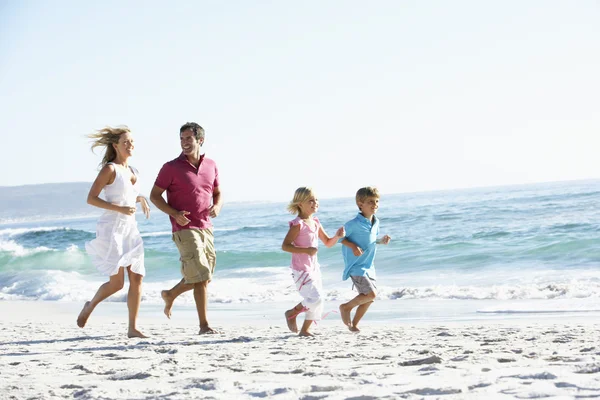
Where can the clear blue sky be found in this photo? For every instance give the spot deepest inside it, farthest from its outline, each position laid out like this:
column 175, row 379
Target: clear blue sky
column 405, row 95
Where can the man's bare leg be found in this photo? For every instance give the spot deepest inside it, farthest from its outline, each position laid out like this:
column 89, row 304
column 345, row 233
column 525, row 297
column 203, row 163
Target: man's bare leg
column 360, row 312
column 346, row 308
column 305, row 327
column 201, row 299
column 134, row 297
column 170, row 295
column 106, row 290
column 291, row 315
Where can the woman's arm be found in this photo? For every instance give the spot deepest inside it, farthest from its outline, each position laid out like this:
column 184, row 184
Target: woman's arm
column 145, row 206
column 105, row 177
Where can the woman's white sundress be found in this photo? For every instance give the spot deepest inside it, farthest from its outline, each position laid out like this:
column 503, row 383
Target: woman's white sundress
column 118, row 241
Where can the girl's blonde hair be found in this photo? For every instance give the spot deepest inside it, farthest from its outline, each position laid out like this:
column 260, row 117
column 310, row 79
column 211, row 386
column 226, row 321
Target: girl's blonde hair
column 106, row 137
column 301, row 194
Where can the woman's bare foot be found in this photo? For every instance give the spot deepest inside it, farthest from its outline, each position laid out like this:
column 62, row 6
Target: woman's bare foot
column 168, row 303
column 345, row 314
column 84, row 315
column 353, row 329
column 290, row 318
column 207, row 330
column 135, row 333
column 307, row 333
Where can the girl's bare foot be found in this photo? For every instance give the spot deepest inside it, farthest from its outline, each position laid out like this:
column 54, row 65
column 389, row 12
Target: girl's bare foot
column 84, row 315
column 135, row 333
column 168, row 303
column 345, row 314
column 290, row 318
column 303, row 333
column 207, row 330
column 354, row 329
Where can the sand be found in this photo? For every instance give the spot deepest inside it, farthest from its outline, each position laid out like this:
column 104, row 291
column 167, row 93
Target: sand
column 44, row 355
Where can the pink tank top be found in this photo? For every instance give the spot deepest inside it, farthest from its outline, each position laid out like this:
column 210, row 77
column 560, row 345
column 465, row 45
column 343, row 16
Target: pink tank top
column 307, row 237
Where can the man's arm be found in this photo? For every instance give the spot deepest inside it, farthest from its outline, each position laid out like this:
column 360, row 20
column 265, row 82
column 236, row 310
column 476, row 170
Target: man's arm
column 215, row 209
column 157, row 199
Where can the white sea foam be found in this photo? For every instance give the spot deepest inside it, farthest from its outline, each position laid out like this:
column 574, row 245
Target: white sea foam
column 16, row 250
column 11, row 232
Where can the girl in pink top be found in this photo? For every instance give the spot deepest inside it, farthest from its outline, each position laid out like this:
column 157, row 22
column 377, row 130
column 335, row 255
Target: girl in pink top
column 302, row 241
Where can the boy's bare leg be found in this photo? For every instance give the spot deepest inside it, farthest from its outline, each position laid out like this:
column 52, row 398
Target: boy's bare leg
column 360, row 312
column 106, row 290
column 201, row 299
column 305, row 327
column 346, row 308
column 170, row 295
column 134, row 296
column 290, row 317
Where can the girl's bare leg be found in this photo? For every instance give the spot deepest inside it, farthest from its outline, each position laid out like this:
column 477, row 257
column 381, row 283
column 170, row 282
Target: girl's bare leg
column 106, row 290
column 291, row 315
column 305, row 327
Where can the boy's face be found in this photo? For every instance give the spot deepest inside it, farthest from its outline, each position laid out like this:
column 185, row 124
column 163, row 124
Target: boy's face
column 369, row 206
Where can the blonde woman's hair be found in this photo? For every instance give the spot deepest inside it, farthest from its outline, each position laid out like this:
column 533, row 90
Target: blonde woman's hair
column 301, row 194
column 366, row 192
column 106, row 137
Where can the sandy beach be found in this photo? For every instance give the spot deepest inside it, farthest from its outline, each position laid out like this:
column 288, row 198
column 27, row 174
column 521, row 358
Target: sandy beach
column 44, row 355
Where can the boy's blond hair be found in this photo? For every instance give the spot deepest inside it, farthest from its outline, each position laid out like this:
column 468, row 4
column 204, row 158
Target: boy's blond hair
column 365, row 193
column 301, row 194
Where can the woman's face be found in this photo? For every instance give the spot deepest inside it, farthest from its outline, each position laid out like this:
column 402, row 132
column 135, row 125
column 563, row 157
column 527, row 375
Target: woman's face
column 124, row 147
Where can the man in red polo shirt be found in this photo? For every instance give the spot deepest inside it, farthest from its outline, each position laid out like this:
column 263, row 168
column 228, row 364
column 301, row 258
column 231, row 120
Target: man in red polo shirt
column 193, row 195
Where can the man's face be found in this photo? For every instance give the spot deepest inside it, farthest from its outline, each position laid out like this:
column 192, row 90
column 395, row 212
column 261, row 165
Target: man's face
column 189, row 144
column 369, row 206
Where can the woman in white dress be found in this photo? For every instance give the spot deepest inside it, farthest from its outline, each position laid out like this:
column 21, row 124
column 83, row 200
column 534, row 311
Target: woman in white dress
column 118, row 245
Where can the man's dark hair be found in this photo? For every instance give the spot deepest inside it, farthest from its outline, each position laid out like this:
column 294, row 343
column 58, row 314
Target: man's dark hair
column 194, row 127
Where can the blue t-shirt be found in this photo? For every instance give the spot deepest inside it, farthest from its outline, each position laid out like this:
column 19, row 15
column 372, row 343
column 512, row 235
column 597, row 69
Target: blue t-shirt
column 361, row 232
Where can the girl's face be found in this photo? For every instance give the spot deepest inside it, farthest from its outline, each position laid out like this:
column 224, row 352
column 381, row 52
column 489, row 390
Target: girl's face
column 309, row 206
column 124, row 147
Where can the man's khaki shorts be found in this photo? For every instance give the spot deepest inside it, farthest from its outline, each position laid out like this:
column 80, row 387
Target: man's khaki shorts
column 197, row 254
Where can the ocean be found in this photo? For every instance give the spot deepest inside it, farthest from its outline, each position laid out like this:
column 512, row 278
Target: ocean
column 471, row 253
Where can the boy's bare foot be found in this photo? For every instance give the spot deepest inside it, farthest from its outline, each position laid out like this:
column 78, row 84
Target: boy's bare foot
column 302, row 333
column 207, row 330
column 345, row 314
column 135, row 333
column 168, row 303
column 353, row 329
column 84, row 315
column 290, row 318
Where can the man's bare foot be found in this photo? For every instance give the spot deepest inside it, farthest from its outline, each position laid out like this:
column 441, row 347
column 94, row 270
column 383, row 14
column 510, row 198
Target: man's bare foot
column 353, row 329
column 290, row 318
column 84, row 315
column 135, row 333
column 207, row 330
column 168, row 303
column 345, row 315
column 303, row 333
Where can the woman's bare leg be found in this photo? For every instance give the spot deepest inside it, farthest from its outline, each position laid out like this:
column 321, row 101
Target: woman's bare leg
column 134, row 297
column 106, row 290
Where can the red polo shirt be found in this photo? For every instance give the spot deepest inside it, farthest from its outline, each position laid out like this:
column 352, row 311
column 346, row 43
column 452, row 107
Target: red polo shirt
column 189, row 189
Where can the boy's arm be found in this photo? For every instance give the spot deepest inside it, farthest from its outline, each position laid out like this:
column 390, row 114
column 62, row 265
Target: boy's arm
column 384, row 240
column 288, row 246
column 357, row 251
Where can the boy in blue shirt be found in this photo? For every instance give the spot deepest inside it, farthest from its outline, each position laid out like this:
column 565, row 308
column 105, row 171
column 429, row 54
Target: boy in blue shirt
column 360, row 246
